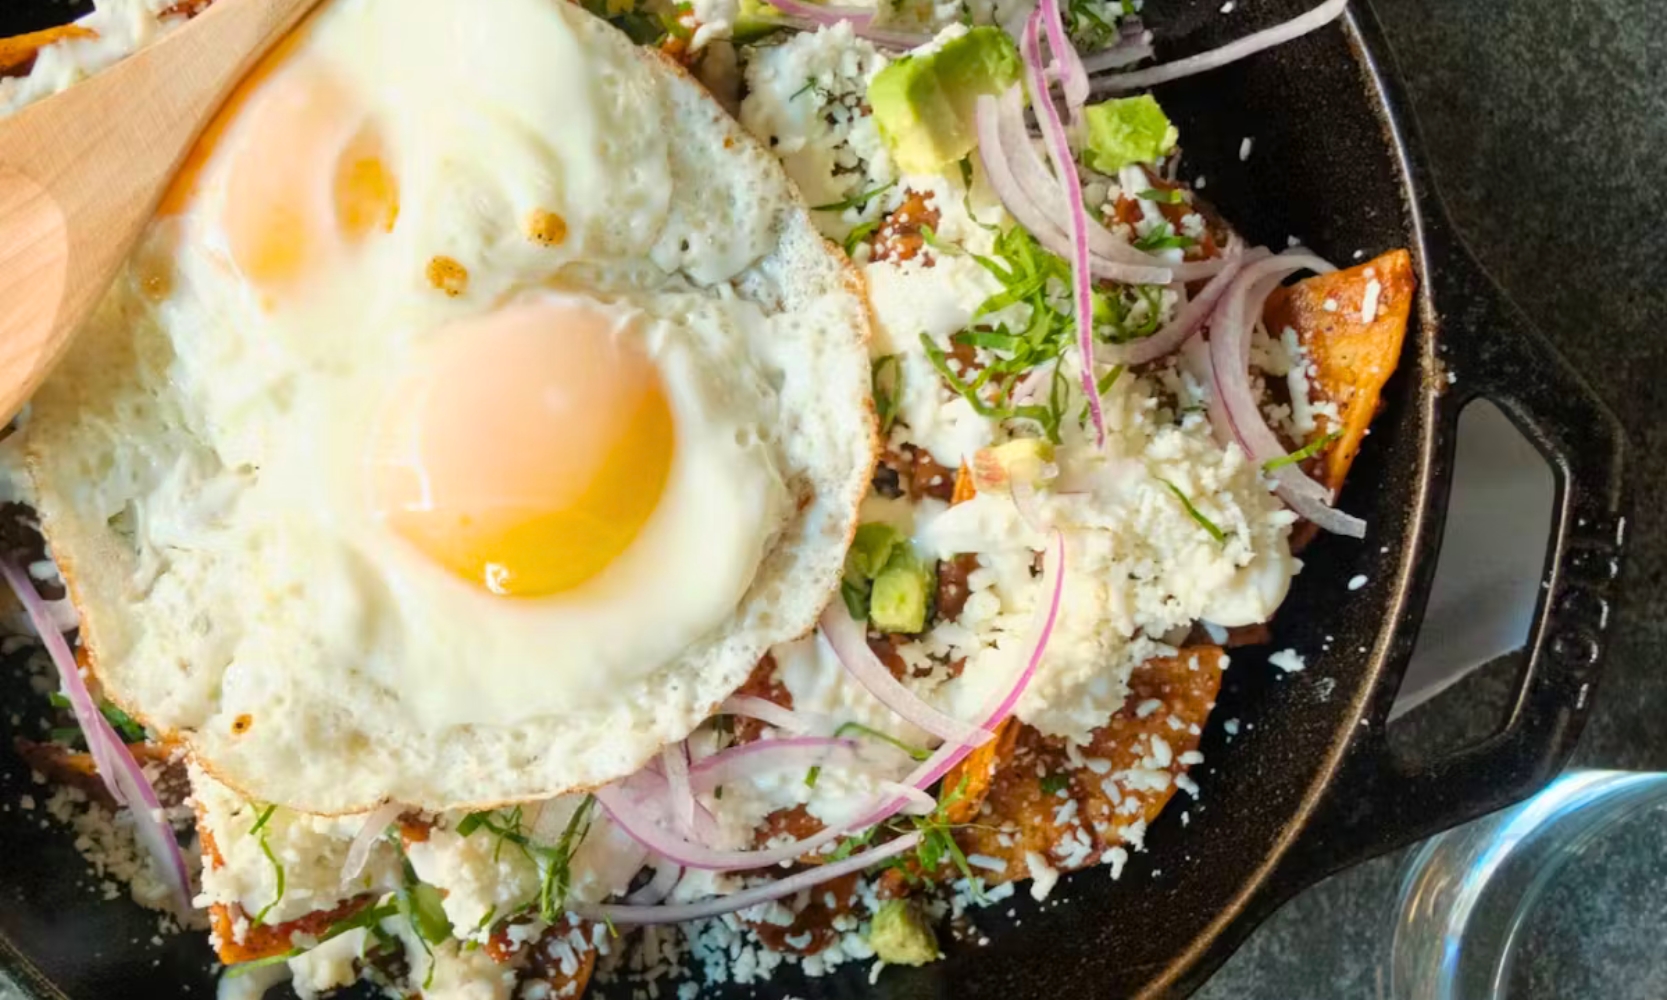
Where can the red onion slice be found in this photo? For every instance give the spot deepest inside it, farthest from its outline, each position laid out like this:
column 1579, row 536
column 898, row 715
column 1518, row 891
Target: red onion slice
column 1112, row 258
column 1065, row 168
column 1046, row 616
column 811, row 16
column 849, row 641
column 1073, row 79
column 760, row 757
column 375, row 825
column 1234, row 411
column 123, row 777
column 1189, row 320
column 1126, row 52
column 786, row 719
column 1279, row 34
column 917, row 802
column 674, row 758
column 718, row 905
column 643, row 827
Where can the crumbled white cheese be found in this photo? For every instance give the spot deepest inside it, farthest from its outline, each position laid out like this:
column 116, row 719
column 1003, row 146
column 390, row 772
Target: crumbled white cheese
column 1288, row 660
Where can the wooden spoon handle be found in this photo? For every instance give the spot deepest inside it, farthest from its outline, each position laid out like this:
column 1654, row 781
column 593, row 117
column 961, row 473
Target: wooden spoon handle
column 82, row 172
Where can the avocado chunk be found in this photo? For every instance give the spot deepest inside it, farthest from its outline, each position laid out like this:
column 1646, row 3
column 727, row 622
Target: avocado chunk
column 923, row 104
column 900, row 935
column 754, row 20
column 1127, row 130
column 898, row 600
column 1025, row 460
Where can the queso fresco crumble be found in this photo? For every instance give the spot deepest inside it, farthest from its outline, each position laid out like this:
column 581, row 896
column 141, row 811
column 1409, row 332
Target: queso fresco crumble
column 1070, row 525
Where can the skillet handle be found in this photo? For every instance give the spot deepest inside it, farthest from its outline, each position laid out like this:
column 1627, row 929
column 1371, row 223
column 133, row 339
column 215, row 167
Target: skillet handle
column 1378, row 802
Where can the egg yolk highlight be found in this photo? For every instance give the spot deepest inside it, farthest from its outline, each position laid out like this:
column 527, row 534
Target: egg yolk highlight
column 305, row 171
column 526, row 449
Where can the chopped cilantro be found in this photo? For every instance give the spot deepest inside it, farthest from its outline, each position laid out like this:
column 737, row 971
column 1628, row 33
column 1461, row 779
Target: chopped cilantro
column 856, row 236
column 930, row 235
column 811, row 776
column 917, row 753
column 123, row 723
column 1302, row 454
column 809, row 86
column 370, row 917
column 1203, row 522
column 1173, row 197
column 555, row 873
column 886, row 379
column 1162, row 237
column 69, row 736
column 259, row 832
column 856, row 201
column 1053, row 784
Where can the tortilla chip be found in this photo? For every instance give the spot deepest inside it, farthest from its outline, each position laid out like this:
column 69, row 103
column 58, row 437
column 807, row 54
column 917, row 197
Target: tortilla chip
column 265, row 941
column 17, row 53
column 1074, row 815
column 1352, row 358
column 978, row 770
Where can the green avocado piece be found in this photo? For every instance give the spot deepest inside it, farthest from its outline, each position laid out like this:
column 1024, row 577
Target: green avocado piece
column 1127, row 130
column 923, row 104
column 755, row 20
column 900, row 935
column 898, row 601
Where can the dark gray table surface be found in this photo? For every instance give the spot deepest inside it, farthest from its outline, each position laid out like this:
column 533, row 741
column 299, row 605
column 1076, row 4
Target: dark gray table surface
column 1546, row 121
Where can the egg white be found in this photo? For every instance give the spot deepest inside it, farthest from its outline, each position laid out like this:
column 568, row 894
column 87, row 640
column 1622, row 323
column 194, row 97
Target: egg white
column 196, row 457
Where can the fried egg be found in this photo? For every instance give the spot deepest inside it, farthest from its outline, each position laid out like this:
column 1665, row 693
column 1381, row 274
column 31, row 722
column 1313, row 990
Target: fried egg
column 479, row 408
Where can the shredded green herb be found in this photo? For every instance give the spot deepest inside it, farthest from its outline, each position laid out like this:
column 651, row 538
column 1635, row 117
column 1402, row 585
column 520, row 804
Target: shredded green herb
column 1162, row 237
column 917, row 753
column 856, row 201
column 1302, row 454
column 856, row 236
column 809, row 86
column 1053, row 784
column 259, row 831
column 555, row 873
column 811, row 775
column 370, row 917
column 125, row 725
column 930, row 235
column 1174, row 197
column 886, row 379
column 1203, row 522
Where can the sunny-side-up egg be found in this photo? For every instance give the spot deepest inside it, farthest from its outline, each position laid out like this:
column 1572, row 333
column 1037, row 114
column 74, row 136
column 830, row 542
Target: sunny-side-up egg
column 480, row 407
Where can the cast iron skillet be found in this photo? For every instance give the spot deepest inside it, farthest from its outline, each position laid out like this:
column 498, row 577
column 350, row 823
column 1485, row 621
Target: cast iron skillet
column 1309, row 786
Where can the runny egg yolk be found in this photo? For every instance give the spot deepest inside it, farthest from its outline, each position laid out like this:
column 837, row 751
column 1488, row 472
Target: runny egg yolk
column 305, row 171
column 525, row 449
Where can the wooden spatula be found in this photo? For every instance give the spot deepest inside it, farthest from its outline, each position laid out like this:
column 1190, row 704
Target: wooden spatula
column 81, row 173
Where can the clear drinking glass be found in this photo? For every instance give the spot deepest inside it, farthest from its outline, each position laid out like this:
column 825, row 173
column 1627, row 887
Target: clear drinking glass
column 1563, row 896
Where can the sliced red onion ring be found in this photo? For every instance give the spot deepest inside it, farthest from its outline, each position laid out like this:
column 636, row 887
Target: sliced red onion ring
column 674, row 759
column 718, row 905
column 810, row 16
column 1279, row 34
column 918, row 801
column 1233, row 408
column 1126, row 52
column 1052, row 587
column 1189, row 320
column 1065, row 169
column 1035, row 185
column 659, row 887
column 1025, row 502
column 643, row 827
column 123, row 777
column 375, row 825
column 750, row 760
column 764, row 710
column 1073, row 79
column 850, row 643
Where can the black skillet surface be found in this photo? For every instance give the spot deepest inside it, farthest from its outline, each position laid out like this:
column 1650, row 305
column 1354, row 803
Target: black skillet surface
column 1309, row 785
